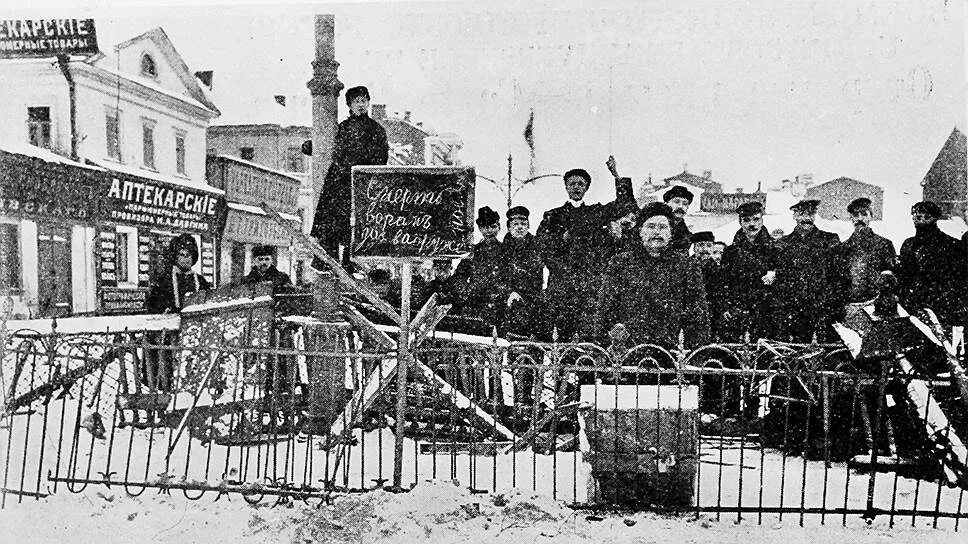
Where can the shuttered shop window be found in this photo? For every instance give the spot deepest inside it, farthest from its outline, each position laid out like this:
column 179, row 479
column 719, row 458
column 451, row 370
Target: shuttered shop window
column 10, row 281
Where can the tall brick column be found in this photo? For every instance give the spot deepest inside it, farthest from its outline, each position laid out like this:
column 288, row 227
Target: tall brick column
column 325, row 89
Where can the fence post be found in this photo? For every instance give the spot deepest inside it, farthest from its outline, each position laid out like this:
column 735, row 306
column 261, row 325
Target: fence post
column 403, row 367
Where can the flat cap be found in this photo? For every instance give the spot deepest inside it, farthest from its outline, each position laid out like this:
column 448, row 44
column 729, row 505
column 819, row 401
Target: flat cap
column 807, row 205
column 747, row 209
column 702, row 236
column 653, row 209
column 517, row 211
column 858, row 204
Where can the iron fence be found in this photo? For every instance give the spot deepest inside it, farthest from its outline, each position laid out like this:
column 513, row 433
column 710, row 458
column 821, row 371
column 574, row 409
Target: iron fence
column 739, row 429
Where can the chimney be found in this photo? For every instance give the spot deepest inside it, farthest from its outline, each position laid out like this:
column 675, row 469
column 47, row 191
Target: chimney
column 759, row 186
column 685, row 167
column 379, row 111
column 739, row 190
column 707, row 174
column 205, row 76
column 406, row 116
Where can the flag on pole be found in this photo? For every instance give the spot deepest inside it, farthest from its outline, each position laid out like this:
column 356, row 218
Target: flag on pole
column 529, row 132
column 529, row 137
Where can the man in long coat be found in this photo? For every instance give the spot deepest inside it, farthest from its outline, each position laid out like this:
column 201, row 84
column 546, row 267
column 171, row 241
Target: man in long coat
column 572, row 239
column 932, row 267
column 479, row 280
column 751, row 261
column 524, row 275
column 802, row 285
column 654, row 290
column 859, row 260
column 359, row 141
column 679, row 199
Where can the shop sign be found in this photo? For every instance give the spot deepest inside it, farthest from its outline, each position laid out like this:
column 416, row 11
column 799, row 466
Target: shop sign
column 35, row 188
column 412, row 212
column 254, row 229
column 726, row 203
column 253, row 186
column 123, row 301
column 141, row 201
column 47, row 37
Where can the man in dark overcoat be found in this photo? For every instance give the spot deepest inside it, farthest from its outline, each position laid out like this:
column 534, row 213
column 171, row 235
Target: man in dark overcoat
column 932, row 267
column 679, row 199
column 359, row 141
column 801, row 284
column 264, row 269
column 524, row 275
column 479, row 280
column 573, row 240
column 751, row 262
column 859, row 260
column 715, row 279
column 654, row 290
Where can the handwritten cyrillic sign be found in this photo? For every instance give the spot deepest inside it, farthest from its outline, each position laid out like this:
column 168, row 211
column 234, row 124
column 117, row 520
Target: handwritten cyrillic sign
column 412, row 211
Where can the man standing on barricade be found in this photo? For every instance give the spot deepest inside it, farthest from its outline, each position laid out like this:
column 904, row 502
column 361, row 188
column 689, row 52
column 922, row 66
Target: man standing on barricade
column 751, row 263
column 932, row 267
column 654, row 291
column 801, row 285
column 479, row 280
column 573, row 239
column 359, row 141
column 525, row 275
column 264, row 269
column 858, row 261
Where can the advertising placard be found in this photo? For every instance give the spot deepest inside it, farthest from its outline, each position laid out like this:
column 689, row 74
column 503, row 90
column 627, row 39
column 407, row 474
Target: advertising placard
column 47, row 37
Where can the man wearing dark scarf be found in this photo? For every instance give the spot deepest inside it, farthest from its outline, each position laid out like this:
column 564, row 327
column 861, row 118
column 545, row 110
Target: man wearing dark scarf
column 932, row 267
column 359, row 141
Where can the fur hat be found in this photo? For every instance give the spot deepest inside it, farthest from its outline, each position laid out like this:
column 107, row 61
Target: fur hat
column 354, row 92
column 183, row 241
column 262, row 251
column 487, row 217
column 678, row 191
column 653, row 209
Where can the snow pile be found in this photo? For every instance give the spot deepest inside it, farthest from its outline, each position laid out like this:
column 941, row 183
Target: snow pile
column 440, row 511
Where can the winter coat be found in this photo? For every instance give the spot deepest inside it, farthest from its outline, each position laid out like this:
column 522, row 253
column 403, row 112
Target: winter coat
column 751, row 301
column 654, row 297
column 801, row 276
column 681, row 237
column 716, row 280
column 524, row 276
column 479, row 282
column 931, row 274
column 280, row 280
column 162, row 293
column 359, row 141
column 856, row 265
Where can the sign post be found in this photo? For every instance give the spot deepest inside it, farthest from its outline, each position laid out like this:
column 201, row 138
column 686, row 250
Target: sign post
column 405, row 213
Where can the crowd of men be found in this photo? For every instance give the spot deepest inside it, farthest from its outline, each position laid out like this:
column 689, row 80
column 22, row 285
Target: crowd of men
column 641, row 268
column 614, row 263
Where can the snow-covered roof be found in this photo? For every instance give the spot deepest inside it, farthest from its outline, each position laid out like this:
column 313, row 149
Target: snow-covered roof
column 260, row 167
column 255, row 210
column 22, row 148
column 96, row 324
column 140, row 172
column 149, row 84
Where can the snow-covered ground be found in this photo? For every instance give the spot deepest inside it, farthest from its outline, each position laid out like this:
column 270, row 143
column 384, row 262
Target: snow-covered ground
column 434, row 511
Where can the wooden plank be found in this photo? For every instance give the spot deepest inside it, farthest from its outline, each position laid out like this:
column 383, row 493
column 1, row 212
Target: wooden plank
column 334, row 266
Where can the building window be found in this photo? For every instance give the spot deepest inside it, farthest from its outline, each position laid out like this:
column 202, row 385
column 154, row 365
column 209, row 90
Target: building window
column 247, row 153
column 10, row 259
column 126, row 256
column 294, row 159
column 148, row 144
column 148, row 67
column 180, row 153
column 38, row 126
column 113, row 134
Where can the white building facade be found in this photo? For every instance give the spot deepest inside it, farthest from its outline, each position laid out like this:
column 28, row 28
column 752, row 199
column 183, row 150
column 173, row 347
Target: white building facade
column 138, row 139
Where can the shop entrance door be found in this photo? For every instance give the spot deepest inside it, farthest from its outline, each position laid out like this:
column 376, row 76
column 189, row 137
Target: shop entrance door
column 54, row 290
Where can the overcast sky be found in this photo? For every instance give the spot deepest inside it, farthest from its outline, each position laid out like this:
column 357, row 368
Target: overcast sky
column 754, row 91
